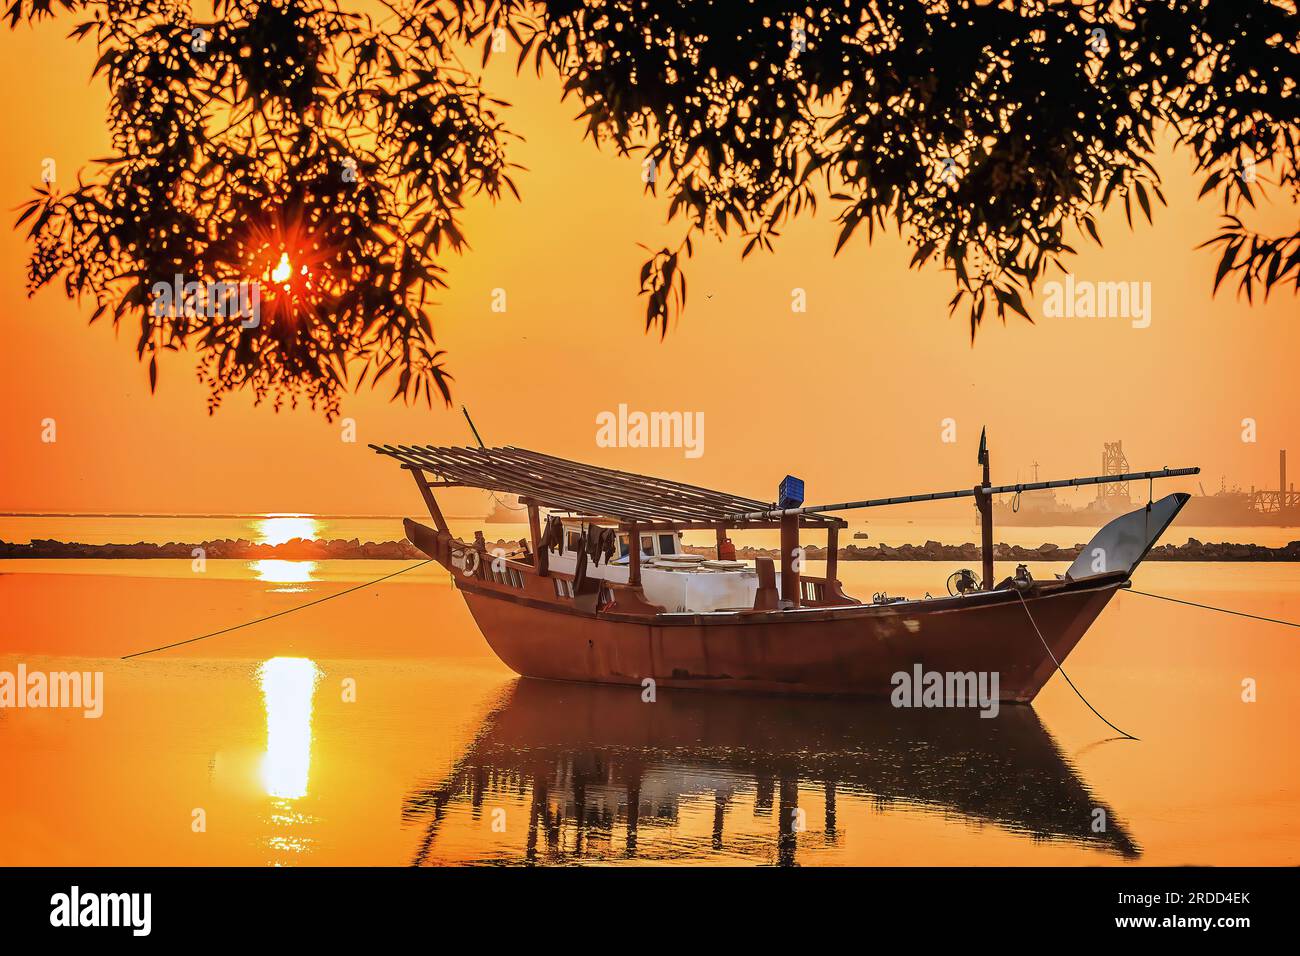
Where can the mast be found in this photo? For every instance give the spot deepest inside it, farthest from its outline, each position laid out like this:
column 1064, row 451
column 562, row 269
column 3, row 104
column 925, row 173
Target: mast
column 984, row 502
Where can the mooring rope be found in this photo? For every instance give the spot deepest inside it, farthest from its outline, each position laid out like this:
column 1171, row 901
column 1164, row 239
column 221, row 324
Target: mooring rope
column 1062, row 672
column 300, row 607
column 1211, row 607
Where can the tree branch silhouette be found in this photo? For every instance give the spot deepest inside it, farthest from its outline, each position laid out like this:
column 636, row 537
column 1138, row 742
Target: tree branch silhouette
column 990, row 135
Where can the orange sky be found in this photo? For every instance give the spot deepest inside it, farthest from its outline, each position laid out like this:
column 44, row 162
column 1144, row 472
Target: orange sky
column 850, row 395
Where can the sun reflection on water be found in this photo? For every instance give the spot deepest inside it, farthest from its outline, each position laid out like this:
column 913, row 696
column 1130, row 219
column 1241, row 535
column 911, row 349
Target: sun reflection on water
column 278, row 571
column 288, row 686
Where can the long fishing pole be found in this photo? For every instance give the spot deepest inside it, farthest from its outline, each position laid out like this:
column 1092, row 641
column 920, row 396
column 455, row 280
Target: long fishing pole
column 969, row 493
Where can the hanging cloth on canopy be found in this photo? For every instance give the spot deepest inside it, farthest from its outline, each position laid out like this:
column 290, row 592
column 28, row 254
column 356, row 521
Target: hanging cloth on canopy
column 553, row 535
column 601, row 543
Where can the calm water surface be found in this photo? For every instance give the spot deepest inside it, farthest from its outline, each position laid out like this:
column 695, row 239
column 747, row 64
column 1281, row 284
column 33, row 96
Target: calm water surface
column 378, row 729
column 894, row 529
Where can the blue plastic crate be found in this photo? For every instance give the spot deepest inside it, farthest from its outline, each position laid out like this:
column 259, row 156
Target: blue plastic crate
column 790, row 494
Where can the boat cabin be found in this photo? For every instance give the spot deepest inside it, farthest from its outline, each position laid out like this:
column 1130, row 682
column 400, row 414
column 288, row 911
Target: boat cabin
column 601, row 512
column 671, row 576
column 653, row 544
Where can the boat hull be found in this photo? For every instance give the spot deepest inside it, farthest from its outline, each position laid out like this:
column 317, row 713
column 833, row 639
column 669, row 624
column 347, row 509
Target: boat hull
column 827, row 651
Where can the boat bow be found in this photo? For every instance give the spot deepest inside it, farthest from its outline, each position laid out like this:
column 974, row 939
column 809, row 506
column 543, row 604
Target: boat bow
column 1121, row 544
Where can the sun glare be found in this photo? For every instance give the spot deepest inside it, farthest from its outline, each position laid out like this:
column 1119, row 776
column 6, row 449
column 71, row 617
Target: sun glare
column 288, row 685
column 277, row 571
column 277, row 529
column 283, row 271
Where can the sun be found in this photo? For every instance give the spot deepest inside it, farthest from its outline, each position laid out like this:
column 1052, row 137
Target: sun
column 282, row 252
column 286, row 276
column 286, row 260
column 283, row 271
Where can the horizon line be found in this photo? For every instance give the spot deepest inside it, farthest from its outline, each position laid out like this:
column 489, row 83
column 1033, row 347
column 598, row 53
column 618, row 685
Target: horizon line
column 133, row 514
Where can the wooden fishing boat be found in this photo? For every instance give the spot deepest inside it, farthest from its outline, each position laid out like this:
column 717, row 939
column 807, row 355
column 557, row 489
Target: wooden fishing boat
column 602, row 591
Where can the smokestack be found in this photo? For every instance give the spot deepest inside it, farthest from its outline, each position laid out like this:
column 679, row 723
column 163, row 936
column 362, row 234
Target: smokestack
column 1281, row 464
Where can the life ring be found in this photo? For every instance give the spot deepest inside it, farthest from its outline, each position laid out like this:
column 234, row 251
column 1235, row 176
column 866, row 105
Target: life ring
column 465, row 569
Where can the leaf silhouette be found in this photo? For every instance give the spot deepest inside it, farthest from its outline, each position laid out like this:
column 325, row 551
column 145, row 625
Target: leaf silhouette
column 349, row 143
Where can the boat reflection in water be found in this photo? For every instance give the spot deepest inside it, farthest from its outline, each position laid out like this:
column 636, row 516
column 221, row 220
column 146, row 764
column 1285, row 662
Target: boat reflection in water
column 601, row 775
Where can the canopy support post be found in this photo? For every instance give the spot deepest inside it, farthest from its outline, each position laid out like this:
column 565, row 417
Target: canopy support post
column 789, row 576
column 430, row 501
column 540, row 559
column 633, row 556
column 832, row 553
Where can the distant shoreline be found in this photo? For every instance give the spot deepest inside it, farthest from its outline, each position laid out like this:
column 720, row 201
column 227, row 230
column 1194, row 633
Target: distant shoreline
column 301, row 549
column 261, row 516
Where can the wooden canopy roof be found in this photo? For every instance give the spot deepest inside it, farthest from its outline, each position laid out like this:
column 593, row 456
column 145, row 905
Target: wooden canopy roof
column 564, row 485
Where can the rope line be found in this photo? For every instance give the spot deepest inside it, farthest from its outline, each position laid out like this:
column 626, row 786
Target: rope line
column 269, row 617
column 1211, row 607
column 1060, row 669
